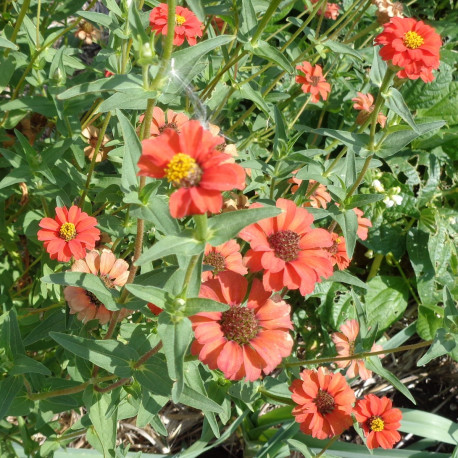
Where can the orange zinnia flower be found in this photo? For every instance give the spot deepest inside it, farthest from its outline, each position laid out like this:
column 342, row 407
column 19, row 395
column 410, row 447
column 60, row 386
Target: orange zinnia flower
column 245, row 340
column 365, row 103
column 223, row 257
column 313, row 82
column 187, row 26
column 363, row 224
column 319, row 198
column 112, row 271
column 325, row 403
column 345, row 346
column 338, row 252
column 190, row 162
column 288, row 251
column 411, row 45
column 70, row 233
column 162, row 121
column 332, row 10
column 379, row 421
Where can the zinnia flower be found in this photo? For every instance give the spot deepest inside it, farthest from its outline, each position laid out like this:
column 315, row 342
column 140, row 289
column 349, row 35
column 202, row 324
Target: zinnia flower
column 324, row 401
column 190, row 162
column 223, row 257
column 245, row 340
column 154, row 309
column 235, row 202
column 318, row 199
column 338, row 252
column 108, row 73
column 332, row 10
column 70, row 233
column 288, row 251
column 386, row 9
column 365, row 103
column 87, row 32
column 162, row 121
column 379, row 421
column 186, row 24
column 313, row 82
column 224, row 147
column 345, row 346
column 363, row 224
column 91, row 135
column 112, row 271
column 411, row 45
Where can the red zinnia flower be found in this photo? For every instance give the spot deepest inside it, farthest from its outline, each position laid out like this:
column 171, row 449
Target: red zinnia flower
column 288, row 250
column 108, row 73
column 332, row 10
column 162, row 121
column 70, row 233
column 338, row 252
column 190, row 161
column 365, row 103
column 324, row 403
column 379, row 421
column 319, row 198
column 345, row 346
column 112, row 271
column 411, row 45
column 245, row 340
column 186, row 24
column 363, row 224
column 223, row 257
column 154, row 309
column 313, row 82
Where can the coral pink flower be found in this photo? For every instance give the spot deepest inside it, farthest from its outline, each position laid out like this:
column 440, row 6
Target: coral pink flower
column 345, row 346
column 363, row 224
column 187, row 26
column 108, row 73
column 411, row 45
column 190, row 162
column 338, row 252
column 313, row 81
column 332, row 10
column 70, row 233
column 245, row 340
column 324, row 401
column 112, row 271
column 288, row 251
column 365, row 103
column 379, row 421
column 318, row 199
column 162, row 121
column 154, row 309
column 223, row 257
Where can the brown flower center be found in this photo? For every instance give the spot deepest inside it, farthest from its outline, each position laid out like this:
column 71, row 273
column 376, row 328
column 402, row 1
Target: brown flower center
column 216, row 260
column 412, row 40
column 168, row 125
column 67, row 231
column 285, row 244
column 314, row 80
column 183, row 171
column 93, row 299
column 376, row 424
column 239, row 324
column 324, row 402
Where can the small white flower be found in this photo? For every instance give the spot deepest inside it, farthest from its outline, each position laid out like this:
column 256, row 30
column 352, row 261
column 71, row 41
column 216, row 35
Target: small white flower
column 388, row 202
column 397, row 199
column 378, row 186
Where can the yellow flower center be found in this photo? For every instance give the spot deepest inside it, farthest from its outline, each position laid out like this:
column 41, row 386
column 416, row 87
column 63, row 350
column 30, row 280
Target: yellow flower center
column 376, row 424
column 412, row 40
column 67, row 231
column 183, row 171
column 179, row 20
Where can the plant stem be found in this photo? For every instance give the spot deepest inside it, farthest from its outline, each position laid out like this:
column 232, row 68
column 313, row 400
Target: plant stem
column 265, row 20
column 326, row 447
column 17, row 26
column 375, row 265
column 148, row 355
column 275, row 397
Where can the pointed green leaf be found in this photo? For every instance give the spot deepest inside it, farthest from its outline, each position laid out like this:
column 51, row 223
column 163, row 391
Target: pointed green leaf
column 196, row 305
column 395, row 102
column 9, row 387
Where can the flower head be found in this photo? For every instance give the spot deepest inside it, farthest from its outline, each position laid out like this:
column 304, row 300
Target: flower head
column 345, row 345
column 70, row 233
column 154, row 309
column 338, row 252
column 223, row 257
column 313, row 82
column 332, row 10
column 187, row 26
column 324, row 401
column 87, row 32
column 162, row 121
column 245, row 340
column 379, row 421
column 386, row 9
column 288, row 251
column 112, row 271
column 363, row 224
column 91, row 135
column 365, row 103
column 235, row 202
column 411, row 45
column 320, row 196
column 190, row 161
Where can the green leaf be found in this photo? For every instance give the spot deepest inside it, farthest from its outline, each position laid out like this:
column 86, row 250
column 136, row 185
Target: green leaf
column 248, row 17
column 357, row 142
column 374, row 364
column 342, row 276
column 9, row 387
column 281, row 136
column 89, row 282
column 263, row 49
column 172, row 244
column 110, row 355
column 444, row 342
column 249, row 93
column 176, row 337
column 275, row 443
column 348, row 222
column 97, row 18
column 360, row 200
column 350, row 168
column 378, row 67
column 386, row 300
column 341, row 49
column 394, row 101
column 154, row 377
column 199, row 401
column 4, row 43
column 451, row 310
column 10, row 336
column 53, row 322
column 226, row 226
column 149, row 294
column 135, row 99
column 196, row 305
column 429, row 320
column 25, row 365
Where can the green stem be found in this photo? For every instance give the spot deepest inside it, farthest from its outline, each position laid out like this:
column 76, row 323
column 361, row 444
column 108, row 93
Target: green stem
column 275, row 397
column 17, row 26
column 326, row 447
column 148, row 355
column 265, row 20
column 375, row 265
